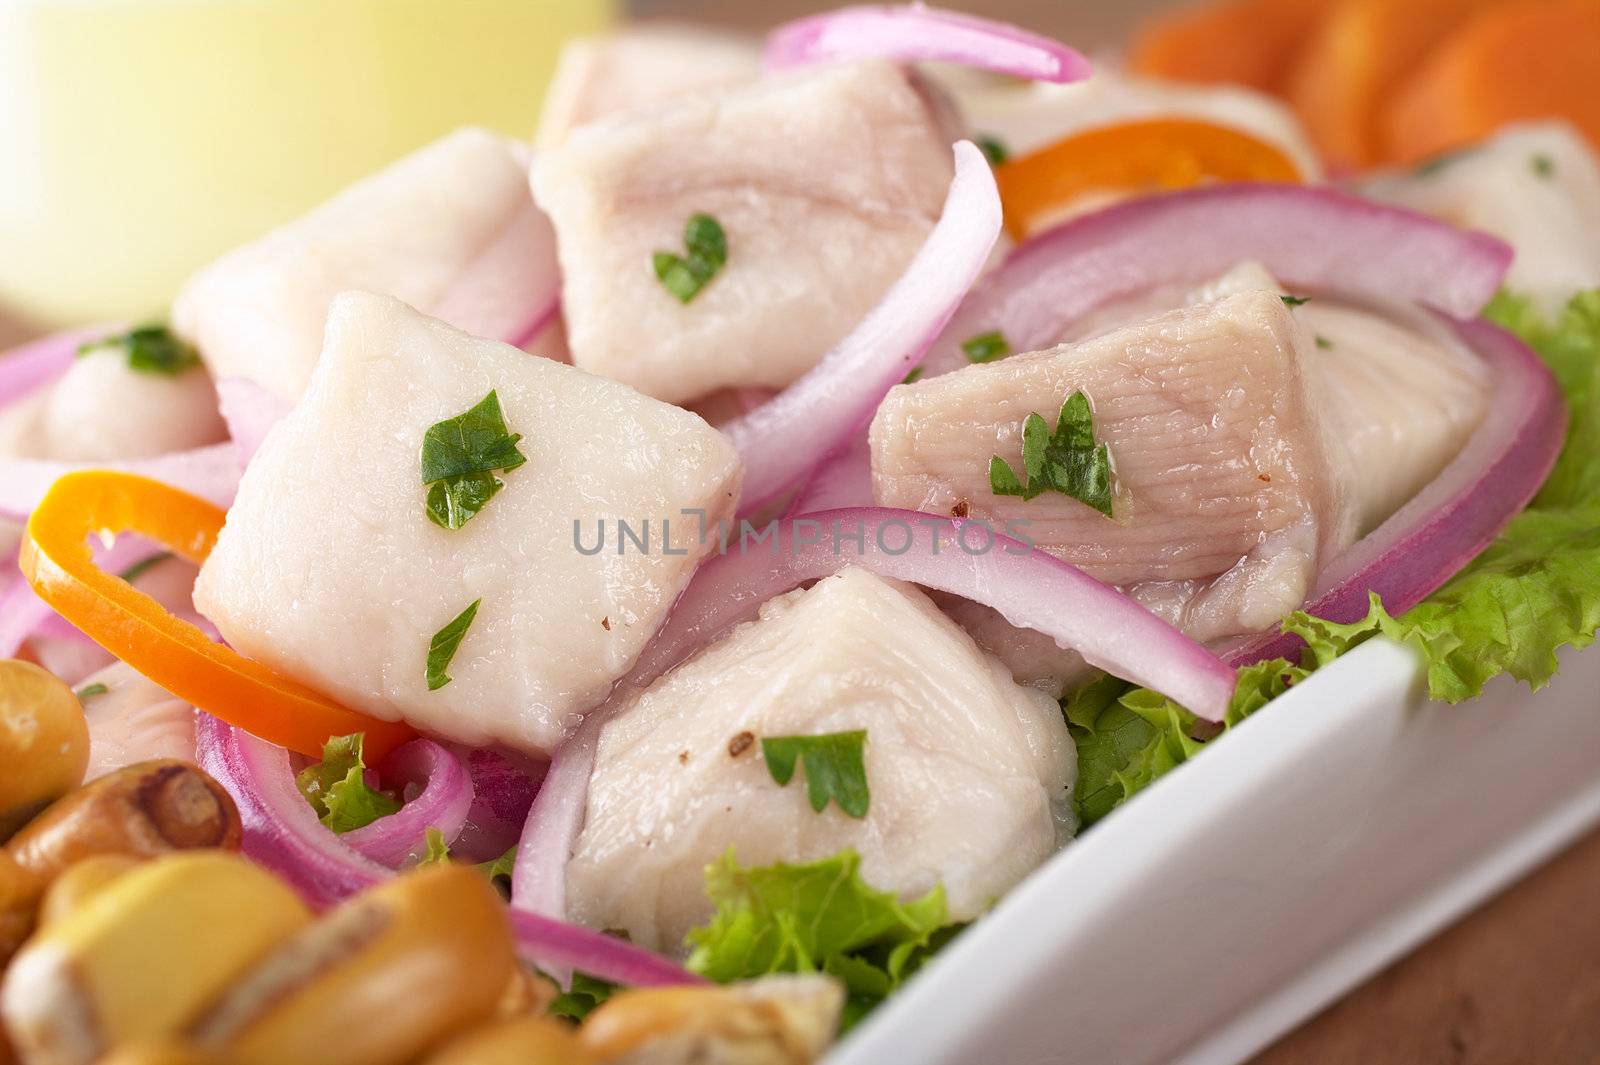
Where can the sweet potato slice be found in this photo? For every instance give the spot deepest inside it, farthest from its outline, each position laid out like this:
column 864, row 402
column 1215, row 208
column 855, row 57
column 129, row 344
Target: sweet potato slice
column 1534, row 60
column 1352, row 64
column 1244, row 42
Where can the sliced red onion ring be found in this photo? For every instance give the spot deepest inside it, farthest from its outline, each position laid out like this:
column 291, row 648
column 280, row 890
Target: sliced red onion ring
column 1448, row 523
column 843, row 480
column 557, row 945
column 1310, row 238
column 37, row 363
column 210, row 472
column 786, row 438
column 1031, row 588
column 443, row 803
column 918, row 33
column 24, row 615
column 281, row 831
column 503, row 789
column 249, row 411
column 513, row 288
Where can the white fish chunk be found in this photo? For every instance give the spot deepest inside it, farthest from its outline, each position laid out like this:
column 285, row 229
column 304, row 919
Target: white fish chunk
column 1030, row 116
column 639, row 68
column 100, row 410
column 450, row 229
column 825, row 182
column 1227, row 482
column 329, row 569
column 1535, row 186
column 134, row 720
column 970, row 774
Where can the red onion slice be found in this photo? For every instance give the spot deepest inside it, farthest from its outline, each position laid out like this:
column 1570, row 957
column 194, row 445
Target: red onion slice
column 210, row 472
column 1447, row 524
column 1031, row 588
column 24, row 615
column 503, row 790
column 513, row 288
column 843, row 480
column 557, row 945
column 786, row 438
column 249, row 411
column 37, row 363
column 443, row 803
column 1308, row 238
column 917, row 33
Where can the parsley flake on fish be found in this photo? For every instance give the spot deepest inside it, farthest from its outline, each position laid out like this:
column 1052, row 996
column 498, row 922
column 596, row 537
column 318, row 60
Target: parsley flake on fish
column 460, row 456
column 1294, row 301
column 89, row 691
column 986, row 347
column 994, row 150
column 1543, row 166
column 1066, row 461
column 442, row 648
column 707, row 247
column 150, row 349
column 835, row 766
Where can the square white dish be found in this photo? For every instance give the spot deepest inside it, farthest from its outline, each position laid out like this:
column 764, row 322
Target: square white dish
column 1324, row 837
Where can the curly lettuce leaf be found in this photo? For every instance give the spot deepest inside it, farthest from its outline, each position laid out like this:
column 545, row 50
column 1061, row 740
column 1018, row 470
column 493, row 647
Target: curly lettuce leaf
column 337, row 789
column 816, row 917
column 1129, row 737
column 587, row 993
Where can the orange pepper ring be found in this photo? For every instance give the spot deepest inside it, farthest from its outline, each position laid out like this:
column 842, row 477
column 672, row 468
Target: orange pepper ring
column 174, row 654
column 1157, row 153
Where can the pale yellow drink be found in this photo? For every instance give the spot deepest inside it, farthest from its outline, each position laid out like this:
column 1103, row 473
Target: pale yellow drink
column 141, row 138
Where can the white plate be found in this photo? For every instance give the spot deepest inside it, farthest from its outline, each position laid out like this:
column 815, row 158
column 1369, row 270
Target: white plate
column 1324, row 837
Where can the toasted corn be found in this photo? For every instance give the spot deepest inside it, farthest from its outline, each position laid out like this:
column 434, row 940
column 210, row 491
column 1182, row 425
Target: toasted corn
column 526, row 993
column 44, row 742
column 779, row 1020
column 143, row 956
column 524, row 1041
column 141, row 811
column 375, row 982
column 18, row 894
column 162, row 1053
column 80, row 882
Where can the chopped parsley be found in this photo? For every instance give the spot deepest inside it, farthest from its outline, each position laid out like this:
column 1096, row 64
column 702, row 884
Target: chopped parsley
column 1066, row 461
column 337, row 787
column 986, row 347
column 1430, row 167
column 911, row 378
column 443, row 646
column 141, row 567
column 1294, row 301
column 1543, row 166
column 993, row 150
column 707, row 246
column 587, row 992
column 459, row 458
column 150, row 349
column 1323, row 342
column 89, row 691
column 835, row 764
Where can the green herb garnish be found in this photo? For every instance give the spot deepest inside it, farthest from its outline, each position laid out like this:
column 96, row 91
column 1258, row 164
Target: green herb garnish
column 1323, row 342
column 993, row 150
column 141, row 567
column 337, row 787
column 912, row 377
column 1543, row 166
column 443, row 646
column 459, row 458
column 835, row 764
column 149, row 349
column 1430, row 167
column 986, row 347
column 707, row 247
column 587, row 992
column 500, row 868
column 435, row 850
column 1294, row 301
column 89, row 691
column 1067, row 461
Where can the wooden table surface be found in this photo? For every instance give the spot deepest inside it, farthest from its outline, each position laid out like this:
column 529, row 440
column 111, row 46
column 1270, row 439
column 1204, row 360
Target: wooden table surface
column 1517, row 982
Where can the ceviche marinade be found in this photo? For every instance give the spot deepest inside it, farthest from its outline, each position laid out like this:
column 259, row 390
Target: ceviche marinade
column 635, row 598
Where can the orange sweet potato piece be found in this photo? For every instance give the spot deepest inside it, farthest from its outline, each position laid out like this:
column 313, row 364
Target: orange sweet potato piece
column 1522, row 61
column 1245, row 42
column 1354, row 61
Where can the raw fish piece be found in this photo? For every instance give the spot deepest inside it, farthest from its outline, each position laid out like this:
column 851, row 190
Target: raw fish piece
column 330, row 570
column 969, row 773
column 825, row 183
column 133, row 720
column 100, row 410
column 639, row 68
column 449, row 229
column 1535, row 186
column 1225, row 472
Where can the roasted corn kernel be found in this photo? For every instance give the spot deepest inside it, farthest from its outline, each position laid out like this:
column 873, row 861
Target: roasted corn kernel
column 779, row 1020
column 375, row 982
column 143, row 956
column 80, row 882
column 524, row 1041
column 44, row 742
column 162, row 1053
